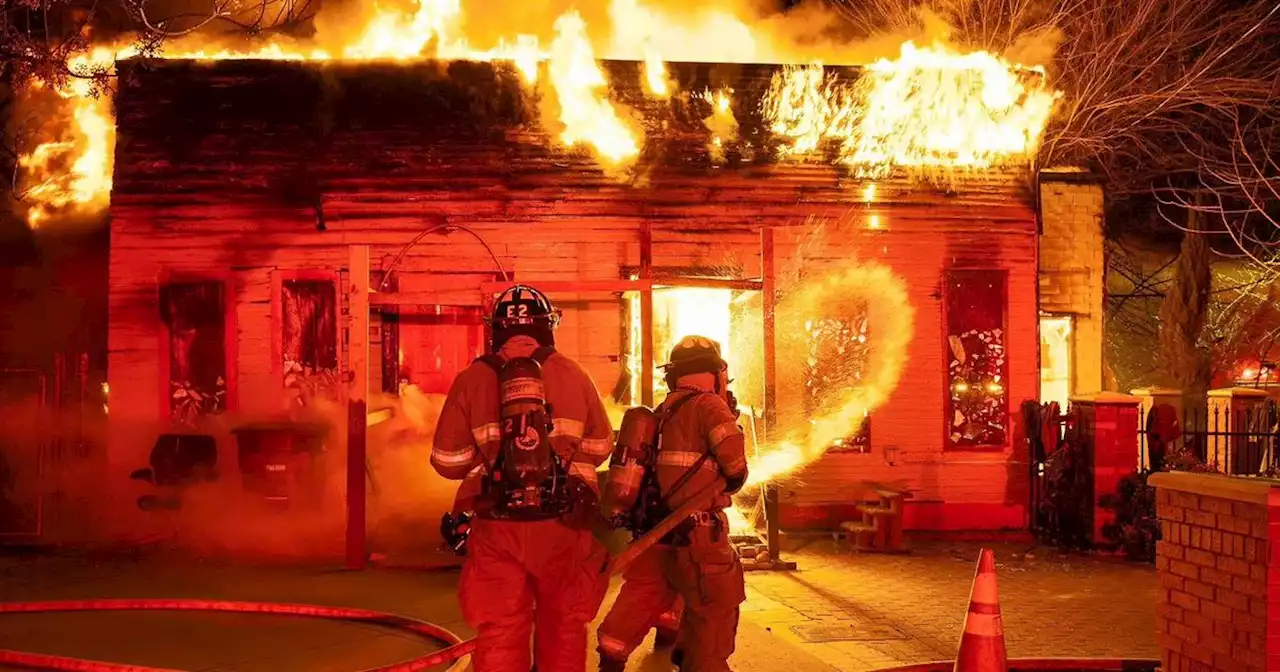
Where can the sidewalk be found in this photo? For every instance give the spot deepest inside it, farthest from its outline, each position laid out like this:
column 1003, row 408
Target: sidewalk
column 861, row 612
column 840, row 611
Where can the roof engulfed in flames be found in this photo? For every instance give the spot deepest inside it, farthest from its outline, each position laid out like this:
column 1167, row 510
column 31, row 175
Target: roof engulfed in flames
column 929, row 110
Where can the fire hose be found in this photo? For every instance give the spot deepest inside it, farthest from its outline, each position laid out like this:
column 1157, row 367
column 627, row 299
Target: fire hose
column 456, row 648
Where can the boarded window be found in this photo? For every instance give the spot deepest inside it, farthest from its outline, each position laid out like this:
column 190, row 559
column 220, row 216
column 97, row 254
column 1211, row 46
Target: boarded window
column 838, row 356
column 977, row 368
column 195, row 314
column 309, row 337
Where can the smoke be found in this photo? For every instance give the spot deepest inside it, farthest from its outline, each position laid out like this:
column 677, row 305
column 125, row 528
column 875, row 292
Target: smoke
column 87, row 500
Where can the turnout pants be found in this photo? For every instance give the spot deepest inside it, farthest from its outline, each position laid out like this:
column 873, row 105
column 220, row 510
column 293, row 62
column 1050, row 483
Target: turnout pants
column 708, row 575
column 539, row 578
column 645, row 601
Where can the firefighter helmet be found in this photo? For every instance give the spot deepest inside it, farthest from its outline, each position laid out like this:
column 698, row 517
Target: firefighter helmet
column 693, row 354
column 523, row 310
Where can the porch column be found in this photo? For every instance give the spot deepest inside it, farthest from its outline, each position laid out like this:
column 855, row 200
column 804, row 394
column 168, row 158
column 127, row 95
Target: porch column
column 357, row 404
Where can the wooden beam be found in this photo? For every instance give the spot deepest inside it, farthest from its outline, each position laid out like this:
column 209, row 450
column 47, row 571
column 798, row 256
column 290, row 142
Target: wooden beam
column 357, row 404
column 767, row 273
column 642, row 284
column 646, row 315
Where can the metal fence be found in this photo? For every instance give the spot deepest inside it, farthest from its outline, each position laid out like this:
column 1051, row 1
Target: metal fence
column 1238, row 442
column 1218, row 438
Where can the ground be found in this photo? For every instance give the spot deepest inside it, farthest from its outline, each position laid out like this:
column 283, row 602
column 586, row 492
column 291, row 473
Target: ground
column 840, row 611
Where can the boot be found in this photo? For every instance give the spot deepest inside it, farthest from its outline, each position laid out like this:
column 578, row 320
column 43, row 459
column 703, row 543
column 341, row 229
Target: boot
column 608, row 664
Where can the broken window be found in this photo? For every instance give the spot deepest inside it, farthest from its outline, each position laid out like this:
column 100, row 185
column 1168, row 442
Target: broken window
column 839, row 351
column 309, row 338
column 977, row 368
column 194, row 314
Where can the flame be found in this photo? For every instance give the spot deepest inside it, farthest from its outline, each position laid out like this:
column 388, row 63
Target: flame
column 393, row 35
column 586, row 114
column 73, row 173
column 721, row 122
column 930, row 108
column 655, row 74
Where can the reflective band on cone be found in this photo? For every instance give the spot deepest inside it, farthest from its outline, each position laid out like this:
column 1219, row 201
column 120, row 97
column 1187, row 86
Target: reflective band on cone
column 982, row 644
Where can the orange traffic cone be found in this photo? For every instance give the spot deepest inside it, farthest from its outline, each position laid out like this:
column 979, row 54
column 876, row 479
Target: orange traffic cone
column 982, row 644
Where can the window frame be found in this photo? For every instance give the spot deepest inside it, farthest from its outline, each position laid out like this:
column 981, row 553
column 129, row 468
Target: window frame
column 280, row 276
column 230, row 343
column 948, row 411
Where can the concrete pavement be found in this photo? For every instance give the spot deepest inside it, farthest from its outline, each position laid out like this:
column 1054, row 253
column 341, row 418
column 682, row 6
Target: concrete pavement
column 840, row 611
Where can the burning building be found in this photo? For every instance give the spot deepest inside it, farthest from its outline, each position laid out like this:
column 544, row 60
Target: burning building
column 888, row 281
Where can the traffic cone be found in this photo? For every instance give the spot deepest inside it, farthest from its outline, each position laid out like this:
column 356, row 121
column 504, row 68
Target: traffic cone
column 982, row 643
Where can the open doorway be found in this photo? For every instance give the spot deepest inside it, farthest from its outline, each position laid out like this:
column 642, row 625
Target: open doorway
column 1055, row 360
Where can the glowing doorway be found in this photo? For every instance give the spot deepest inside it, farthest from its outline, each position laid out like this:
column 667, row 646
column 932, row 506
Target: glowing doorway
column 1055, row 360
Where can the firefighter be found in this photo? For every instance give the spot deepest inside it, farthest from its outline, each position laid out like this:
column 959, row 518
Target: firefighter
column 646, row 601
column 700, row 441
column 524, row 429
column 662, row 459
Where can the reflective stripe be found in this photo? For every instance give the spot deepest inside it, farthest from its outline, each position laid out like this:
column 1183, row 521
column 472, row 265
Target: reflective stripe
column 486, row 433
column 616, row 648
column 583, row 470
column 596, row 447
column 681, row 458
column 723, row 431
column 567, row 427
column 452, row 459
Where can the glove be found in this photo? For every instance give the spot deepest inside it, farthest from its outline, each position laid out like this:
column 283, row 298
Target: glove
column 455, row 530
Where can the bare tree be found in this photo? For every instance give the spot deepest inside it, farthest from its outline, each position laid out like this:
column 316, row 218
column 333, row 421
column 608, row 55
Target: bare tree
column 1172, row 98
column 39, row 40
column 1183, row 364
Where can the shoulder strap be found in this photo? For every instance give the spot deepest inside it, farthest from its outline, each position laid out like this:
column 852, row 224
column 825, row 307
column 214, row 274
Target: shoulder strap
column 542, row 354
column 494, row 361
column 693, row 469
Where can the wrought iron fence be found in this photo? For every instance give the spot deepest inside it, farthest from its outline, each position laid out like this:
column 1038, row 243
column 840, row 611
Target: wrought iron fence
column 1237, row 442
column 1233, row 441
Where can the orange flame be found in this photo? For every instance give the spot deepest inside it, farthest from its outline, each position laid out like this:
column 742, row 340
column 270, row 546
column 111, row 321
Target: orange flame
column 931, row 108
column 586, row 114
column 655, row 74
column 721, row 123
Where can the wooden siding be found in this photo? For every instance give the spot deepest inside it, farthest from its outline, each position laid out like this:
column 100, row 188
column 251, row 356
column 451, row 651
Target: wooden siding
column 211, row 178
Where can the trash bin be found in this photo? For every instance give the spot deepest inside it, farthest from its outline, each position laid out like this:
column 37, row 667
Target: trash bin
column 283, row 462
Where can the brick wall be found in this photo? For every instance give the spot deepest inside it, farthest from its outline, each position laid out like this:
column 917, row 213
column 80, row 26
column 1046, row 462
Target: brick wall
column 1072, row 267
column 1212, row 564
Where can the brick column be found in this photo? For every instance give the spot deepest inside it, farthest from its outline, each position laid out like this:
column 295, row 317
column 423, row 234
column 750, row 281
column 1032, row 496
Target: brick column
column 1219, row 600
column 1072, row 266
column 1111, row 420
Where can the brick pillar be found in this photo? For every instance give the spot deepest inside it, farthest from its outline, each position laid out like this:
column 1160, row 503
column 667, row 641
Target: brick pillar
column 1111, row 421
column 1229, row 411
column 1217, row 564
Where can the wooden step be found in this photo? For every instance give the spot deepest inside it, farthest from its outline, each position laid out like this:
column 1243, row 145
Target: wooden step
column 852, row 526
column 875, row 510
